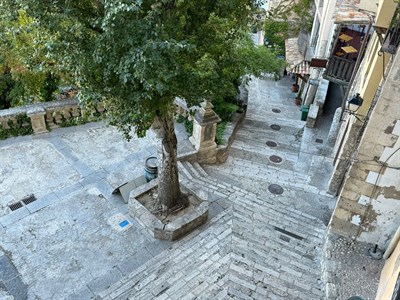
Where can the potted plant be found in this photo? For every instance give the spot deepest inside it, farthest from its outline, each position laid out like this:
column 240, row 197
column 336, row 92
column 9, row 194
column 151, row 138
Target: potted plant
column 295, row 88
column 298, row 99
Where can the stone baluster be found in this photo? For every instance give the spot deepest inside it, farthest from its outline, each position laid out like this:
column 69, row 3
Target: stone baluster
column 37, row 114
column 204, row 130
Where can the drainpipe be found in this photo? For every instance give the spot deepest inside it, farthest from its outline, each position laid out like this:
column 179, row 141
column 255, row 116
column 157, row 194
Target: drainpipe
column 355, row 70
column 393, row 244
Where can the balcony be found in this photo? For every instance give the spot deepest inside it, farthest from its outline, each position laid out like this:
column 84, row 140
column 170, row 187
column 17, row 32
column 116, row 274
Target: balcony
column 392, row 38
column 339, row 70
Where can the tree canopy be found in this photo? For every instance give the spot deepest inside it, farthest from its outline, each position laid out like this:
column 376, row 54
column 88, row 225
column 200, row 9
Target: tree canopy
column 136, row 56
column 287, row 19
column 28, row 72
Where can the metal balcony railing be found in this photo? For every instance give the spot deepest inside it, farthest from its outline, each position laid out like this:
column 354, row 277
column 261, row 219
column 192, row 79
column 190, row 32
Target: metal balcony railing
column 392, row 37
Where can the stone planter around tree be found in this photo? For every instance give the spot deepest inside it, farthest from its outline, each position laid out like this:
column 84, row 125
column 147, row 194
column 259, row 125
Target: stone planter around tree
column 173, row 229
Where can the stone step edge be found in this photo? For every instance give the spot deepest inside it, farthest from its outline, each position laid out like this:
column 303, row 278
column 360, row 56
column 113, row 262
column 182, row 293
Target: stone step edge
column 300, row 218
column 197, row 233
column 230, row 189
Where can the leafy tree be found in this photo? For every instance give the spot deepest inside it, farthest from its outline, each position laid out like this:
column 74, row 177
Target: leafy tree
column 136, row 56
column 25, row 56
column 287, row 19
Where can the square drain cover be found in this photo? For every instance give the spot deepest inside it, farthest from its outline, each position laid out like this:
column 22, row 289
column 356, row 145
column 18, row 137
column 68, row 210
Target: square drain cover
column 119, row 222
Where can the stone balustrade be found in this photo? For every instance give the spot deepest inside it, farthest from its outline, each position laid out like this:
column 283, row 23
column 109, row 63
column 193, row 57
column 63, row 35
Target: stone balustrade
column 42, row 117
column 48, row 115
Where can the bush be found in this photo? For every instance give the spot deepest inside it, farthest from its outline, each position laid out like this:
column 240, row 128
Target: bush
column 23, row 127
column 6, row 86
column 220, row 132
column 188, row 124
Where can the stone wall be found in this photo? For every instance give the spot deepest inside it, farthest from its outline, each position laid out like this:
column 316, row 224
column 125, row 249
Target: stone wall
column 369, row 203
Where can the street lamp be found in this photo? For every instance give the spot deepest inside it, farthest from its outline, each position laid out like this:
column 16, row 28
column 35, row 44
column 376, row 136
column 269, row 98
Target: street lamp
column 354, row 104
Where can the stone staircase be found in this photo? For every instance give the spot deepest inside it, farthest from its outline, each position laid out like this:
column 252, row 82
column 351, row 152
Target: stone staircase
column 254, row 166
column 256, row 248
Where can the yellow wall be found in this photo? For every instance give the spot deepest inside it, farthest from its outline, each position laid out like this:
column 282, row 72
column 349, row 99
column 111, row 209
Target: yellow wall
column 385, row 12
column 372, row 71
column 389, row 275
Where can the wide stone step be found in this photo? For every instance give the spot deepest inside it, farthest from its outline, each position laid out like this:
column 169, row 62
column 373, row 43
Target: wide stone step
column 192, row 263
column 261, row 158
column 287, row 218
column 283, row 146
column 257, row 121
column 264, row 170
column 223, row 189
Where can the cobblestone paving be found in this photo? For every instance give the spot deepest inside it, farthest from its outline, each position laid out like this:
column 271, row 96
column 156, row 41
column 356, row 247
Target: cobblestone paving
column 256, row 249
column 261, row 245
column 256, row 245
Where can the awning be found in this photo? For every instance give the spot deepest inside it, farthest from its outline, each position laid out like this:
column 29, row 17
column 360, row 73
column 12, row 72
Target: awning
column 302, row 68
column 292, row 53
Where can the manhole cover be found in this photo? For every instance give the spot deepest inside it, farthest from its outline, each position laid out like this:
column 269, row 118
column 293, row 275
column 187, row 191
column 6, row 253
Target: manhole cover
column 275, row 110
column 319, row 141
column 271, row 144
column 275, row 158
column 275, row 127
column 275, row 189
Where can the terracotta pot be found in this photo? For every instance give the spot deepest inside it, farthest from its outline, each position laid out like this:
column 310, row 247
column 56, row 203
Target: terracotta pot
column 297, row 101
column 295, row 88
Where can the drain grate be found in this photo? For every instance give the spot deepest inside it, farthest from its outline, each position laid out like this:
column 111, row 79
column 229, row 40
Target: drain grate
column 271, row 144
column 275, row 110
column 289, row 233
column 284, row 238
column 275, row 189
column 29, row 199
column 275, row 127
column 275, row 158
column 319, row 141
column 15, row 206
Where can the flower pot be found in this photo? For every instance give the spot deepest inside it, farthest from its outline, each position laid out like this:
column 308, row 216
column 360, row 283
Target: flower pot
column 295, row 88
column 297, row 101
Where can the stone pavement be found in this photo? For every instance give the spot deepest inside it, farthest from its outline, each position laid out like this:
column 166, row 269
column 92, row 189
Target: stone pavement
column 263, row 239
column 255, row 249
column 64, row 243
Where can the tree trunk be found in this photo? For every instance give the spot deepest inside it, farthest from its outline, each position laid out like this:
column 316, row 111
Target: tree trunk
column 169, row 194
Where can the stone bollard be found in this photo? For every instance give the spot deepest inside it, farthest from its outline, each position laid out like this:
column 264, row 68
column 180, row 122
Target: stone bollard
column 36, row 114
column 204, row 130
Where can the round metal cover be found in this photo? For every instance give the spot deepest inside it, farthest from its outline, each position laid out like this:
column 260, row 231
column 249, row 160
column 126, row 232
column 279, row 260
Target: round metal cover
column 275, row 158
column 275, row 110
column 275, row 189
column 275, row 127
column 271, row 144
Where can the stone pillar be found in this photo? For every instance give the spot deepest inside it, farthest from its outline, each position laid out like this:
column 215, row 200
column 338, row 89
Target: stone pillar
column 36, row 114
column 204, row 130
